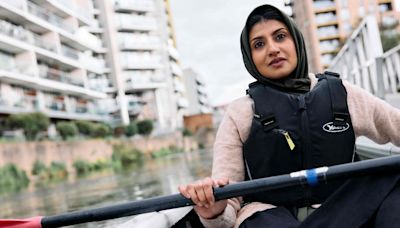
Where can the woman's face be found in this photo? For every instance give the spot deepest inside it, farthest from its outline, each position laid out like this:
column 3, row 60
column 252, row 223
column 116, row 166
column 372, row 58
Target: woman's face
column 272, row 49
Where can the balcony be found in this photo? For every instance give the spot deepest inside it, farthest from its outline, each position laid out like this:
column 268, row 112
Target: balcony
column 49, row 17
column 135, row 60
column 133, row 6
column 99, row 84
column 69, row 52
column 80, row 12
column 325, row 19
column 14, row 31
column 131, row 23
column 97, row 65
column 173, row 52
column 38, row 41
column 327, row 32
column 324, row 6
column 139, row 43
column 176, row 70
column 58, row 75
column 15, row 3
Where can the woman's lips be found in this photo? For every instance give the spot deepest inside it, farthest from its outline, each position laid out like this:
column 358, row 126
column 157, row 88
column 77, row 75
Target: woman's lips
column 277, row 62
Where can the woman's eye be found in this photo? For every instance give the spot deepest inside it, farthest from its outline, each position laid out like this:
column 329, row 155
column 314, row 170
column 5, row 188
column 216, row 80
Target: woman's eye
column 258, row 44
column 280, row 36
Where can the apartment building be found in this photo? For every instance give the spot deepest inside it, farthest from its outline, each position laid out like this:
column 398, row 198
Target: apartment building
column 145, row 74
column 97, row 60
column 196, row 93
column 47, row 57
column 327, row 23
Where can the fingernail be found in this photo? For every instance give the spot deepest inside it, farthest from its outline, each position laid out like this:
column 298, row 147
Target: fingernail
column 207, row 206
column 201, row 205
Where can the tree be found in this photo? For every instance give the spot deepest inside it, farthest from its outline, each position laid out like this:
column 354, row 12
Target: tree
column 31, row 123
column 145, row 127
column 66, row 129
column 85, row 127
column 390, row 37
column 131, row 129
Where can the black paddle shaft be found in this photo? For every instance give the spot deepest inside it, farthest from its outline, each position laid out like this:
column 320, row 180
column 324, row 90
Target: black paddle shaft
column 373, row 166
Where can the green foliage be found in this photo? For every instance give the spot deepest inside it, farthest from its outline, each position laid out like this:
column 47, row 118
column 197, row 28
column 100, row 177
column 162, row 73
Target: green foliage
column 85, row 127
column 101, row 130
column 187, row 132
column 145, row 127
column 38, row 168
column 12, row 178
column 31, row 123
column 82, row 167
column 57, row 170
column 166, row 151
column 126, row 155
column 131, row 129
column 389, row 42
column 67, row 129
column 389, row 36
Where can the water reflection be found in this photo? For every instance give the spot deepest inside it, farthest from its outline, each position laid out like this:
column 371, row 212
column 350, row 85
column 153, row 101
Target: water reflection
column 155, row 177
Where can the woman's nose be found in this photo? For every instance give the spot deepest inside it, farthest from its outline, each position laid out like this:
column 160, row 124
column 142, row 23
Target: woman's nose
column 273, row 49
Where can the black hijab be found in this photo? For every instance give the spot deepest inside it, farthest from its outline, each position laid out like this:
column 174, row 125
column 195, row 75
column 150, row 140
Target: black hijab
column 297, row 82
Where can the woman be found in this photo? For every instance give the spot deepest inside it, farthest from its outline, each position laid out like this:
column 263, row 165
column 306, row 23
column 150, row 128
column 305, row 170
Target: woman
column 291, row 121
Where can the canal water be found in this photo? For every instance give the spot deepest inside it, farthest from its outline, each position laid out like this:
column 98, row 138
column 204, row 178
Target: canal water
column 155, row 177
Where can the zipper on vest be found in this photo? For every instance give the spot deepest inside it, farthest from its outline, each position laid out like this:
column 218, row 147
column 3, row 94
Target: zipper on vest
column 287, row 137
column 306, row 131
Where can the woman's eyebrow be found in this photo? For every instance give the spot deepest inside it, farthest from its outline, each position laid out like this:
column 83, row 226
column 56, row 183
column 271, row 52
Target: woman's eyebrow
column 273, row 33
column 278, row 30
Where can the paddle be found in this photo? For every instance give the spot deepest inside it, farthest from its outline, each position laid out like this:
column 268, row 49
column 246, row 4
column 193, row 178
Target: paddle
column 311, row 177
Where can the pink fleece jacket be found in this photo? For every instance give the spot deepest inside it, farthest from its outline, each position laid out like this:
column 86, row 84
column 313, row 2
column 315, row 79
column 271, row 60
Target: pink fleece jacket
column 371, row 117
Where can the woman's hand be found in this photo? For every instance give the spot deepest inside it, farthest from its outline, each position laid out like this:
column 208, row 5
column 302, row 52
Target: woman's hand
column 201, row 193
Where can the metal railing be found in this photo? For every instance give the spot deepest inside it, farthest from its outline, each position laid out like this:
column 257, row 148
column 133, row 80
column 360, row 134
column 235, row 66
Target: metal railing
column 362, row 61
column 367, row 149
column 48, row 16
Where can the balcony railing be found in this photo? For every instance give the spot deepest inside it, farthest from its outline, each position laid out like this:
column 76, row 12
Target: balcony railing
column 84, row 13
column 134, row 5
column 321, row 5
column 17, row 32
column 69, row 52
column 38, row 41
column 48, row 16
column 128, row 22
column 362, row 61
column 15, row 3
column 58, row 75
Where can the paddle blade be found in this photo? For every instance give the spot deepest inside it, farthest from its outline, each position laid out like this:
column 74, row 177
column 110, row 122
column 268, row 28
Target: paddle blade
column 34, row 222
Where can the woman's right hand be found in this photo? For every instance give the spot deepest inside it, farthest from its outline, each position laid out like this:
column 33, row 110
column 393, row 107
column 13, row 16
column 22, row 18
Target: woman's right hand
column 201, row 193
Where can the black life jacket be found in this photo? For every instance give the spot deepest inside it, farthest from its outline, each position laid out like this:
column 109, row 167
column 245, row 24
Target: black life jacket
column 296, row 132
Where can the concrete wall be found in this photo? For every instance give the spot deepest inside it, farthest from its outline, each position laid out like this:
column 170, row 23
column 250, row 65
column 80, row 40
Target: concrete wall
column 25, row 154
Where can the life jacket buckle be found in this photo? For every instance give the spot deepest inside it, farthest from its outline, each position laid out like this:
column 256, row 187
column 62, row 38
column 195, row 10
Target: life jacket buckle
column 269, row 123
column 340, row 119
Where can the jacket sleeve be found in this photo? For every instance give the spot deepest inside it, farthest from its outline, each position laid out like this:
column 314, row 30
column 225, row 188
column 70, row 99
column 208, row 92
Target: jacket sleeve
column 228, row 163
column 373, row 117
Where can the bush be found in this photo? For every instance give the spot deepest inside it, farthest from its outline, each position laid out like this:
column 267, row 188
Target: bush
column 57, row 170
column 126, row 155
column 67, row 129
column 145, row 127
column 82, row 167
column 131, row 129
column 31, row 123
column 85, row 127
column 101, row 130
column 187, row 132
column 38, row 168
column 12, row 178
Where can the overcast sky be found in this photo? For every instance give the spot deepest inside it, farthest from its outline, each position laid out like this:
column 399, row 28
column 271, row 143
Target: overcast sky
column 207, row 34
